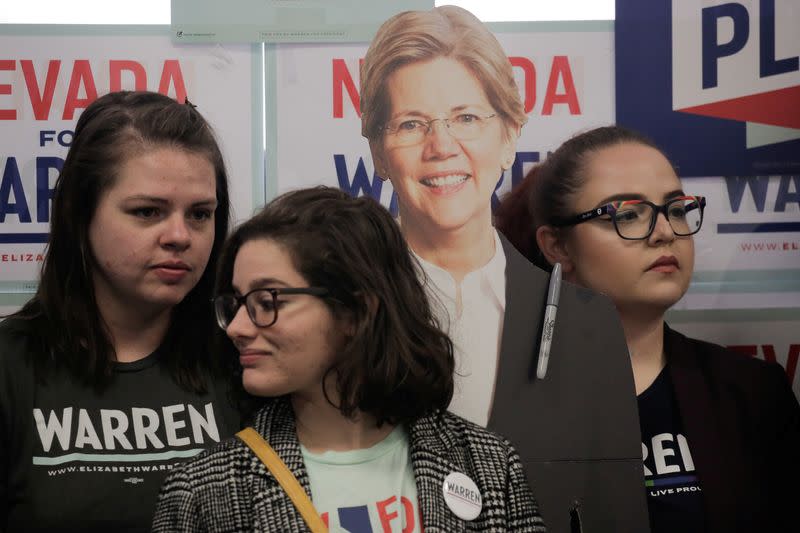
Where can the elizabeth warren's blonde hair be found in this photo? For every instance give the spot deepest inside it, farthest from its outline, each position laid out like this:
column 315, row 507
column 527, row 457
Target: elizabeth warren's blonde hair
column 446, row 31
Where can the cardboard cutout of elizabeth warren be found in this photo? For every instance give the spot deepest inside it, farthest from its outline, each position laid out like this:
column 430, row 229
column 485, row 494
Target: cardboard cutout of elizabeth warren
column 442, row 114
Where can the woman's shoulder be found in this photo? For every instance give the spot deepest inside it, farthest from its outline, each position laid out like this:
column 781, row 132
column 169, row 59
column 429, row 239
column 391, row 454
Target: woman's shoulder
column 451, row 430
column 444, row 442
column 762, row 387
column 719, row 360
column 233, row 454
column 15, row 328
column 206, row 486
column 214, row 464
column 17, row 339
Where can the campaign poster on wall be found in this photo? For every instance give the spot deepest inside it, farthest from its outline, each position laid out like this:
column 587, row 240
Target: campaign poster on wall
column 563, row 72
column 747, row 254
column 716, row 84
column 50, row 74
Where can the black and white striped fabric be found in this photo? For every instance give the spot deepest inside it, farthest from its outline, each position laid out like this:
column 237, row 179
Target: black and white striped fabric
column 227, row 489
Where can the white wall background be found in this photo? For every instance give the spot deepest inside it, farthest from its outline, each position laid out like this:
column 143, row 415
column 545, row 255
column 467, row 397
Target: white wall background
column 158, row 11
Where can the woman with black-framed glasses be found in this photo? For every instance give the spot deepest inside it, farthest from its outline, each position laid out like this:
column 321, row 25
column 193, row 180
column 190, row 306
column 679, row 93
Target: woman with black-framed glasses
column 719, row 431
column 636, row 219
column 261, row 304
column 347, row 376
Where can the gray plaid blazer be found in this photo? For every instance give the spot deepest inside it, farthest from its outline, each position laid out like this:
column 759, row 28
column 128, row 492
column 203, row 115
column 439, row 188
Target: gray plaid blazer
column 227, row 488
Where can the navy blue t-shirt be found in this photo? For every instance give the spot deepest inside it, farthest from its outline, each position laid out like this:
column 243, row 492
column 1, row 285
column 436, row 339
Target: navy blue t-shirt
column 80, row 460
column 674, row 495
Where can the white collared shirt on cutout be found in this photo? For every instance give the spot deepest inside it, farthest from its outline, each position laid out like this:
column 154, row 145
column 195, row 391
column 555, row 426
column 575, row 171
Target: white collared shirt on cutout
column 475, row 326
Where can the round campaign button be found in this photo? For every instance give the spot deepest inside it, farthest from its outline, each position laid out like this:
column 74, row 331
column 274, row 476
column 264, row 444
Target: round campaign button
column 462, row 496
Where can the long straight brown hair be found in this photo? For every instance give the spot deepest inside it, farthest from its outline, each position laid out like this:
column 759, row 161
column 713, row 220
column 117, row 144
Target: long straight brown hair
column 63, row 315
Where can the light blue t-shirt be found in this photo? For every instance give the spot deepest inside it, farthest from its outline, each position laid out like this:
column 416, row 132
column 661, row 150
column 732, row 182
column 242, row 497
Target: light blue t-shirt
column 366, row 491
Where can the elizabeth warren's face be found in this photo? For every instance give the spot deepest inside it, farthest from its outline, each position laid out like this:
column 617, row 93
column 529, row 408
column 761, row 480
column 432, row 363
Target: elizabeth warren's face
column 443, row 183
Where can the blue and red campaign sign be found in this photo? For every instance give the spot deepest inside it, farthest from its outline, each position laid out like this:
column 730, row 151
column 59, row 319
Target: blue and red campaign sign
column 715, row 83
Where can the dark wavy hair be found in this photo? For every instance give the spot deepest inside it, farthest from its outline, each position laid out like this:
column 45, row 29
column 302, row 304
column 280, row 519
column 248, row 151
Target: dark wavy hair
column 64, row 312
column 548, row 190
column 397, row 365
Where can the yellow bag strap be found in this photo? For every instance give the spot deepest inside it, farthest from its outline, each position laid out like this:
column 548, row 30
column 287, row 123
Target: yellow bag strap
column 274, row 464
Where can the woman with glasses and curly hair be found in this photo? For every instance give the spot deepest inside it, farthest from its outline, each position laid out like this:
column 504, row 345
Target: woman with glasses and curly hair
column 106, row 375
column 348, row 378
column 442, row 113
column 720, row 431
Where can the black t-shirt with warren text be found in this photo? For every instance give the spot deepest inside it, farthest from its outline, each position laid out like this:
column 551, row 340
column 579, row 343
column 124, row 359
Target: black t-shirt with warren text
column 674, row 494
column 72, row 459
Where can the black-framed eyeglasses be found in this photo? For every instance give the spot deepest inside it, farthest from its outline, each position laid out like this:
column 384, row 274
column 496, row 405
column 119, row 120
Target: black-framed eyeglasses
column 636, row 219
column 261, row 304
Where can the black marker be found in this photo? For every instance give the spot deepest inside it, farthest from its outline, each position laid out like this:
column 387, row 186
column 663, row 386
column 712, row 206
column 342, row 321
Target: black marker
column 549, row 323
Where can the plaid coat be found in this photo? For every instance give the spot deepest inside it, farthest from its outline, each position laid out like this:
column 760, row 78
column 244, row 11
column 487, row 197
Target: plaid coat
column 228, row 489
